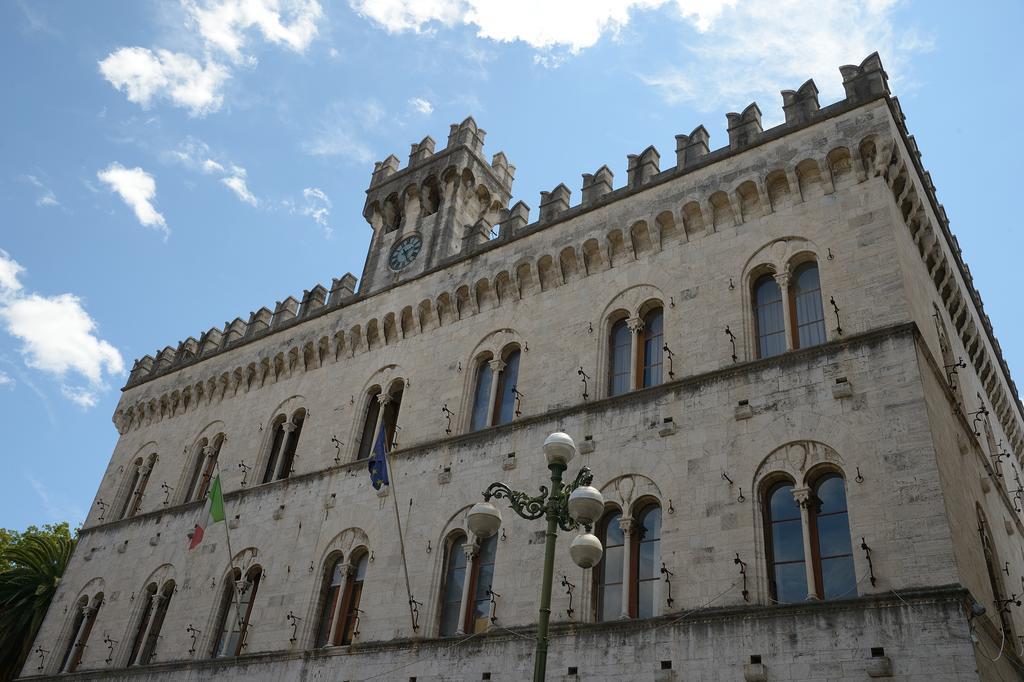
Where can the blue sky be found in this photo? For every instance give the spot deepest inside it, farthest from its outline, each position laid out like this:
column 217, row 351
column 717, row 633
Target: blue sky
column 168, row 166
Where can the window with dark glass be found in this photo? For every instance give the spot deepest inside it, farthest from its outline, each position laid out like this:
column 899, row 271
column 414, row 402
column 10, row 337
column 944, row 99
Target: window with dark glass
column 786, row 565
column 830, row 533
column 769, row 318
column 390, row 420
column 482, row 395
column 479, row 611
column 619, row 351
column 231, row 639
column 646, row 563
column 995, row 579
column 198, row 466
column 608, row 578
column 350, row 601
column 807, row 309
column 82, row 626
column 156, row 623
column 140, row 631
column 275, row 448
column 505, row 406
column 451, row 590
column 130, row 492
column 653, row 347
column 334, row 576
column 291, row 444
column 369, row 424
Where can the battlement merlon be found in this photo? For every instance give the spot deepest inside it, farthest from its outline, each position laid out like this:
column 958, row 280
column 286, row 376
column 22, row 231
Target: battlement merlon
column 392, row 187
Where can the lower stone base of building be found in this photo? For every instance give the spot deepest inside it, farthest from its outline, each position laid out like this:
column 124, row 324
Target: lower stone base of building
column 913, row 635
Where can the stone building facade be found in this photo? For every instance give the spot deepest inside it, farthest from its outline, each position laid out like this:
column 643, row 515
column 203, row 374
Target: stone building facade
column 771, row 355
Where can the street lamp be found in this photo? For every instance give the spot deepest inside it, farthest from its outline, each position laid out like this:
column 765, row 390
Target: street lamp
column 566, row 507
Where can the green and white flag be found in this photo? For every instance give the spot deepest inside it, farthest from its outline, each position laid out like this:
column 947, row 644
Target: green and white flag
column 212, row 513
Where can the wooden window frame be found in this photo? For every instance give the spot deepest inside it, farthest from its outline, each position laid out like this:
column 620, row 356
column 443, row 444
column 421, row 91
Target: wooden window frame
column 614, row 323
column 634, row 555
column 769, row 535
column 370, row 417
column 459, row 539
column 330, row 596
column 794, row 321
column 350, row 599
column 503, row 380
column 598, row 588
column 641, row 357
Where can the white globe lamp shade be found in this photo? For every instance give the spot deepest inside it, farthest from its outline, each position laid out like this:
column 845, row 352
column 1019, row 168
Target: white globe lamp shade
column 559, row 448
column 484, row 519
column 586, row 504
column 586, row 550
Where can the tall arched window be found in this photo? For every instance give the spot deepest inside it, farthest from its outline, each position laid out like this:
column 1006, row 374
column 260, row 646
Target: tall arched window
column 198, row 464
column 334, row 578
column 807, row 311
column 389, row 422
column 81, row 629
column 204, row 468
column 231, row 638
column 451, row 588
column 482, row 394
column 156, row 623
column 646, row 563
column 140, row 631
column 369, row 423
column 619, row 352
column 995, row 579
column 293, row 431
column 785, row 546
column 276, row 443
column 830, row 533
column 135, row 475
column 608, row 577
column 508, row 378
column 481, row 579
column 349, row 625
column 653, row 347
column 769, row 318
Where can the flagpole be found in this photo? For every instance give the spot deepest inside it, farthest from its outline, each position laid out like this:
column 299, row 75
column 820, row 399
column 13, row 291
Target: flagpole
column 394, row 499
column 231, row 565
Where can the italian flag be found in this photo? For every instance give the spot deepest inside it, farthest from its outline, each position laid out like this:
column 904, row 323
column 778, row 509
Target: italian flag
column 212, row 513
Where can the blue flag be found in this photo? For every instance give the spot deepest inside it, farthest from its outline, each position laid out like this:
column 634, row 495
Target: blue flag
column 378, row 462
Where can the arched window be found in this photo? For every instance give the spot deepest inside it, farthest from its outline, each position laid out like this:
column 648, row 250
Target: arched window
column 653, row 347
column 608, row 577
column 508, row 378
column 231, row 638
column 619, row 352
column 809, row 317
column 349, row 625
column 768, row 317
column 478, row 611
column 389, row 422
column 205, row 468
column 81, row 628
column 785, row 545
column 140, row 631
column 369, row 424
column 830, row 534
column 995, row 580
column 334, row 578
column 482, row 394
column 293, row 431
column 151, row 634
column 646, row 563
column 451, row 588
column 276, row 443
column 135, row 475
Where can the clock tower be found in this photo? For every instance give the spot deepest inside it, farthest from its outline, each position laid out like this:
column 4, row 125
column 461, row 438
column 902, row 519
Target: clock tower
column 433, row 210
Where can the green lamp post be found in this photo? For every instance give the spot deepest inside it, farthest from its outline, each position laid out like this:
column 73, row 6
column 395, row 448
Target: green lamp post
column 566, row 507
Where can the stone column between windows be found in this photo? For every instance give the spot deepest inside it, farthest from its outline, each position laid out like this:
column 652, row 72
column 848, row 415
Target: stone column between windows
column 636, row 327
column 346, row 574
column 136, row 503
column 783, row 279
column 382, row 399
column 803, row 498
column 155, row 600
column 626, row 524
column 470, row 549
column 76, row 643
column 497, row 366
column 288, row 429
column 204, row 456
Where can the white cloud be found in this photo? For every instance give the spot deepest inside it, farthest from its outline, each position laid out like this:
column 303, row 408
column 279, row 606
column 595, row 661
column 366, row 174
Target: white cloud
column 9, row 271
column 211, row 166
column 318, row 207
column 46, row 196
column 223, row 23
column 58, row 336
column 422, row 105
column 137, row 188
column 145, row 75
column 83, row 397
column 342, row 128
column 236, row 183
column 6, row 380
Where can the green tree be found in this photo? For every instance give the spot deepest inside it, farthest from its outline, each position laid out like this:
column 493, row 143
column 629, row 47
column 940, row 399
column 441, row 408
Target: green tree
column 31, row 565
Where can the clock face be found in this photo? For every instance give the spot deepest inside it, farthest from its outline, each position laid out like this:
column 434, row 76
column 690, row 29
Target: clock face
column 405, row 252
